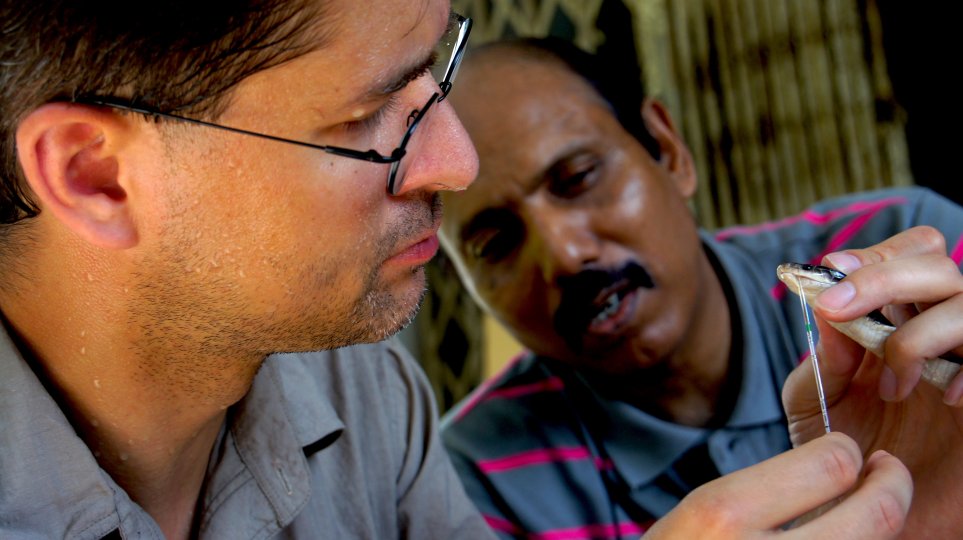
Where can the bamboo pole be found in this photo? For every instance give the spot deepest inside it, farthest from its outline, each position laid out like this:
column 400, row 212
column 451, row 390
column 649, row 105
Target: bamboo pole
column 786, row 122
column 718, row 186
column 688, row 117
column 813, row 73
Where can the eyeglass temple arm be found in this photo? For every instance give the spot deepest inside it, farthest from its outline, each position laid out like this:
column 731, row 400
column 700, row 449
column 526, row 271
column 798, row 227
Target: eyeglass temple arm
column 461, row 42
column 368, row 155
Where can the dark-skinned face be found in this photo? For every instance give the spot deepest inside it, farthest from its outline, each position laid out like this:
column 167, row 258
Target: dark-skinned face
column 573, row 235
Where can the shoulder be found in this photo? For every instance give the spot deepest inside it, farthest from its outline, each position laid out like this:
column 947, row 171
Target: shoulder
column 514, row 405
column 521, row 376
column 851, row 220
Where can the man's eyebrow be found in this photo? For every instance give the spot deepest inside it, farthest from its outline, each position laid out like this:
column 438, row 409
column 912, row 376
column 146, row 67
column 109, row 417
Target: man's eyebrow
column 401, row 81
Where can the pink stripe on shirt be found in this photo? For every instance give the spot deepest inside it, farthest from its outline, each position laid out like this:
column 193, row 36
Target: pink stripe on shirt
column 502, row 525
column 538, row 457
column 591, row 532
column 812, row 217
column 551, row 384
column 844, row 234
column 585, row 532
column 480, row 393
column 957, row 253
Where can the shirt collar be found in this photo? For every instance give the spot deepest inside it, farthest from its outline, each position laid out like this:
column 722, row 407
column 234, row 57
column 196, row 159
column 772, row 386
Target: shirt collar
column 616, row 430
column 284, row 418
column 52, row 485
column 759, row 400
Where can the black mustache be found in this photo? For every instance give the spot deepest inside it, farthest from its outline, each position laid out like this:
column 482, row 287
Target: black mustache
column 577, row 307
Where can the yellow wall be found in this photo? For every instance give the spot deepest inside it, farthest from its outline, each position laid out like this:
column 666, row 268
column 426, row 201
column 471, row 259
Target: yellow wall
column 500, row 346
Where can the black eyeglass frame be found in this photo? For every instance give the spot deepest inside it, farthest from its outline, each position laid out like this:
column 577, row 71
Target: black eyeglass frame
column 462, row 25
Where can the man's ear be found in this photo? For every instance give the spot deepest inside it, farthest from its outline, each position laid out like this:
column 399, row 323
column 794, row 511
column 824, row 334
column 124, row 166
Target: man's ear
column 71, row 157
column 674, row 154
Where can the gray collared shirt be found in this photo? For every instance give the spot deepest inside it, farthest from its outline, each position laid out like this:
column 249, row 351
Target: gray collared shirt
column 338, row 444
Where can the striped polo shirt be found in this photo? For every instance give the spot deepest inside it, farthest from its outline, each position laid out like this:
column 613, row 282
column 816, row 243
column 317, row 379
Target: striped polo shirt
column 545, row 456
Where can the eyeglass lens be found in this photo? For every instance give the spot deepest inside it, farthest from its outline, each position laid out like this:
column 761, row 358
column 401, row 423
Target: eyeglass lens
column 449, row 50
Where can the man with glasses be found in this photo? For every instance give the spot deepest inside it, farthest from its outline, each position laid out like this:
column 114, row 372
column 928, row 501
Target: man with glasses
column 189, row 189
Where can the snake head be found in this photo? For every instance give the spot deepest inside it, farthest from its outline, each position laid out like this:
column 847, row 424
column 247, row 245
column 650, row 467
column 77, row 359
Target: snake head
column 811, row 278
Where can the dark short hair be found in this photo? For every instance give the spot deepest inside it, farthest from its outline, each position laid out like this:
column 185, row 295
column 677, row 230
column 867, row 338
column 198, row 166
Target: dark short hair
column 171, row 56
column 618, row 86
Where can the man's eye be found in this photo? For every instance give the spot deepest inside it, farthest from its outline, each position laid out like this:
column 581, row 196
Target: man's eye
column 493, row 245
column 572, row 177
column 373, row 121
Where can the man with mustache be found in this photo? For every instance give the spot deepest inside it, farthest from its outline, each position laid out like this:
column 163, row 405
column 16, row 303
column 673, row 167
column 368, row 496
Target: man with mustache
column 657, row 350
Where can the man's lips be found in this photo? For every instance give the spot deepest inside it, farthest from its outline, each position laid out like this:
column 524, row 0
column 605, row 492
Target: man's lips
column 615, row 311
column 599, row 304
column 602, row 298
column 419, row 252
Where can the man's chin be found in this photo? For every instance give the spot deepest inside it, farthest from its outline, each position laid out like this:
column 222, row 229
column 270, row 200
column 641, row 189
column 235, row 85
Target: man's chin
column 404, row 307
column 596, row 348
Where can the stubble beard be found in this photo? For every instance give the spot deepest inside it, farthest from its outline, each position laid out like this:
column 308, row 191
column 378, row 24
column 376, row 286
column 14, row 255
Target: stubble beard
column 200, row 324
column 207, row 316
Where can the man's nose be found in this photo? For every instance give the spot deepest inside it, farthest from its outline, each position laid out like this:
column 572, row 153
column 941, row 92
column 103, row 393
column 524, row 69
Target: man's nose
column 440, row 155
column 568, row 242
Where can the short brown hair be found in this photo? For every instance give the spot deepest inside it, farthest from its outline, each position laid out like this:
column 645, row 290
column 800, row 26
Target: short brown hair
column 170, row 56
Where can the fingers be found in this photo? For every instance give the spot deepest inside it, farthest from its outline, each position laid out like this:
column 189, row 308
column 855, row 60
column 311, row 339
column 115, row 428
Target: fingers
column 931, row 334
column 876, row 509
column 909, row 269
column 759, row 500
column 914, row 242
column 916, row 280
column 753, row 499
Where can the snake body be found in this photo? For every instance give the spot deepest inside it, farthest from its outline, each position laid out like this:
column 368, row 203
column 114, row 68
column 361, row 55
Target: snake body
column 810, row 280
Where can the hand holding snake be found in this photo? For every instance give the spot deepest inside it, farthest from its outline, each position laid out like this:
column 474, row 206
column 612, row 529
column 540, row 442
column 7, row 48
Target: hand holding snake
column 880, row 402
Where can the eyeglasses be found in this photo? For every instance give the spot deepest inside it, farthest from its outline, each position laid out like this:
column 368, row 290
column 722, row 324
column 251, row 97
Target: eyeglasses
column 449, row 52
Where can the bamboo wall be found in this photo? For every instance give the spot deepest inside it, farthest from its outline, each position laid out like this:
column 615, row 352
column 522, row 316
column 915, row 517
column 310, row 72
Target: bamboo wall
column 783, row 102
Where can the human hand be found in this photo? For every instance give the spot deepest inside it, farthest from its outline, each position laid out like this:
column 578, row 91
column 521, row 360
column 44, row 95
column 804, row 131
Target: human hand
column 880, row 403
column 758, row 501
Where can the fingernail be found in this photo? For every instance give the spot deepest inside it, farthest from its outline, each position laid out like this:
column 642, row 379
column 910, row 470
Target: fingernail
column 954, row 394
column 876, row 456
column 887, row 384
column 837, row 296
column 844, row 262
column 910, row 380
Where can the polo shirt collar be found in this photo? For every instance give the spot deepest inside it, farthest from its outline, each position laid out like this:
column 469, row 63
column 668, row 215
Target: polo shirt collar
column 760, row 400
